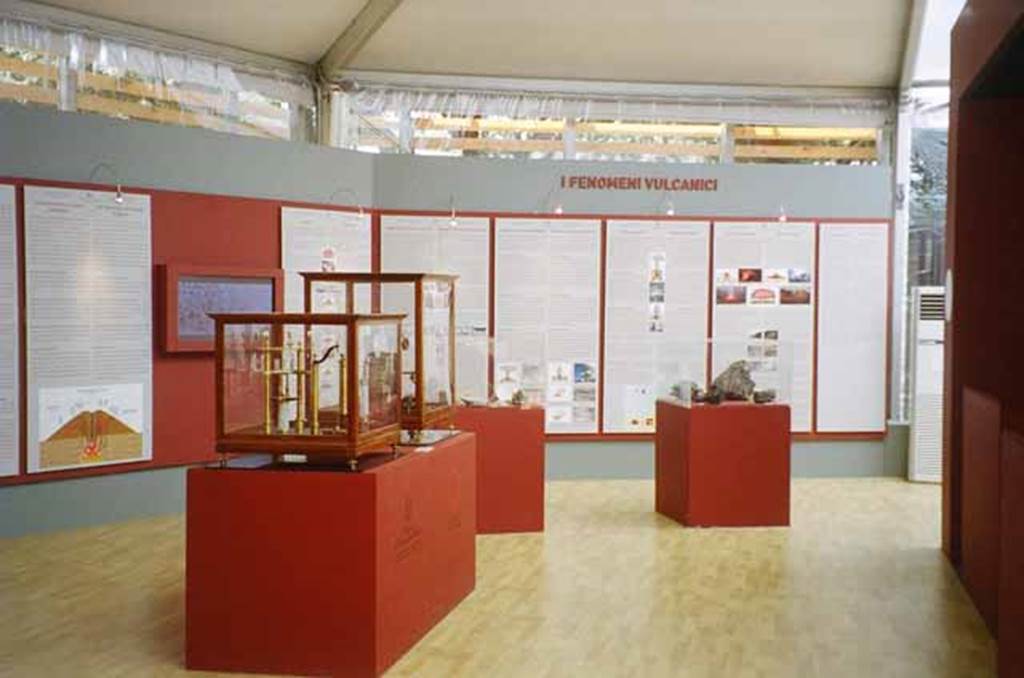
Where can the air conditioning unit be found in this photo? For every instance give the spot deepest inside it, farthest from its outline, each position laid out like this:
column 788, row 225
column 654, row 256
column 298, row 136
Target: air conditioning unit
column 927, row 327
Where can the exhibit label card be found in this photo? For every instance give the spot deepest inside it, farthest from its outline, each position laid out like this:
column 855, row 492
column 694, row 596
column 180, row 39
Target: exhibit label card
column 764, row 308
column 547, row 315
column 323, row 240
column 656, row 316
column 423, row 244
column 89, row 328
column 9, row 386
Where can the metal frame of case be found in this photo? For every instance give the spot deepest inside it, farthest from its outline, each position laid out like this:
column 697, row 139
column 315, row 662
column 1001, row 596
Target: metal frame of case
column 346, row 443
column 420, row 416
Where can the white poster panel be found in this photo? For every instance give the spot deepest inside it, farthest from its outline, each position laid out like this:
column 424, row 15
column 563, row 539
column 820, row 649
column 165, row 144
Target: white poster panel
column 547, row 306
column 322, row 240
column 9, row 387
column 89, row 328
column 852, row 323
column 764, row 290
column 656, row 316
column 424, row 244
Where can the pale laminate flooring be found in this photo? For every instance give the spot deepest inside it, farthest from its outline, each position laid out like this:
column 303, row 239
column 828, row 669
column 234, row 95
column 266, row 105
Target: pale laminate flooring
column 856, row 587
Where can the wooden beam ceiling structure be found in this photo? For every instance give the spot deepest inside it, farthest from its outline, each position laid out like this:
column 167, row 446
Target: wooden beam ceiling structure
column 355, row 36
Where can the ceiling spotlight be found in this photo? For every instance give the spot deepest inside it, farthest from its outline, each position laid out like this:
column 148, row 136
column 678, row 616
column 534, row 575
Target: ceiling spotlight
column 671, row 209
column 558, row 209
column 453, row 222
column 344, row 191
column 782, row 215
column 119, row 194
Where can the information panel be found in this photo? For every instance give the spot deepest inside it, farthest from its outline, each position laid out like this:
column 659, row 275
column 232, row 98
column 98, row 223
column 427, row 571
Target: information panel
column 656, row 316
column 322, row 240
column 764, row 293
column 424, row 244
column 852, row 325
column 547, row 307
column 9, row 391
column 88, row 274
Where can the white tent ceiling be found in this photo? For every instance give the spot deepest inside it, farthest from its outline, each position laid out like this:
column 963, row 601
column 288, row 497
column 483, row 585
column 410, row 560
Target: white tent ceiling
column 778, row 42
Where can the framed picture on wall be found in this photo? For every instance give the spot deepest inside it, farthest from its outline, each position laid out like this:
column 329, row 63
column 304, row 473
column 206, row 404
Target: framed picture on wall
column 191, row 292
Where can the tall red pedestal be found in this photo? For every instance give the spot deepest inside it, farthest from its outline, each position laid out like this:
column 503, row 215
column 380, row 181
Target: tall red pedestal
column 509, row 467
column 319, row 572
column 722, row 465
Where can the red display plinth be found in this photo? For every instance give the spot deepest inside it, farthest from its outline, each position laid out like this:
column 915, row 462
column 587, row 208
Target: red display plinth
column 509, row 467
column 722, row 465
column 322, row 572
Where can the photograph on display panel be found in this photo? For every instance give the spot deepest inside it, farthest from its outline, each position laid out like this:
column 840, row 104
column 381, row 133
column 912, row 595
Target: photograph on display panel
column 764, row 284
column 89, row 325
column 665, row 267
column 547, row 303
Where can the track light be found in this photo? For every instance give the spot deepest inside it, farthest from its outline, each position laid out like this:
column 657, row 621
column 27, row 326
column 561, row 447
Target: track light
column 346, row 191
column 667, row 206
column 782, row 215
column 558, row 208
column 452, row 221
column 118, row 194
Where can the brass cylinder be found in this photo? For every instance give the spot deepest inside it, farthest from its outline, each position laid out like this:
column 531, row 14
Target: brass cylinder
column 268, row 381
column 314, row 389
column 342, row 392
column 300, row 386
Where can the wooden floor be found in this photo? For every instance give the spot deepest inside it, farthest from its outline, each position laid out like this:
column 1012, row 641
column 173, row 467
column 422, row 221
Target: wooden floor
column 857, row 587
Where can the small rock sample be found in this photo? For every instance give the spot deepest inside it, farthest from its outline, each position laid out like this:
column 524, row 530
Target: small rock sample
column 735, row 382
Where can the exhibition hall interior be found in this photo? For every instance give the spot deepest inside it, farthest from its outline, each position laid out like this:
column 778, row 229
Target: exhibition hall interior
column 471, row 338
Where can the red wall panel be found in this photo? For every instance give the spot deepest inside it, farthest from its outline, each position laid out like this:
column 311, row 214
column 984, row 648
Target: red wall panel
column 1011, row 597
column 186, row 228
column 200, row 229
column 980, row 558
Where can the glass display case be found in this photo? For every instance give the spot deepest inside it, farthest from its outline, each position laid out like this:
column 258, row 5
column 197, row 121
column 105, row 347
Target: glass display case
column 428, row 345
column 323, row 385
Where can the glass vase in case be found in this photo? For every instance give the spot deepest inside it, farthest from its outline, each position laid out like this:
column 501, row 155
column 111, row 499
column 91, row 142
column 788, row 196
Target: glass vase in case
column 428, row 347
column 327, row 386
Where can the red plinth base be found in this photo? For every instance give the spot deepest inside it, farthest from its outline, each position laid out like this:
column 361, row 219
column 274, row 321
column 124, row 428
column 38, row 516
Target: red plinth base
column 326, row 572
column 509, row 467
column 722, row 465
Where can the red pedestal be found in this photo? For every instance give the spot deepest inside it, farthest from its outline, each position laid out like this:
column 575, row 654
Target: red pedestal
column 326, row 572
column 509, row 467
column 722, row 465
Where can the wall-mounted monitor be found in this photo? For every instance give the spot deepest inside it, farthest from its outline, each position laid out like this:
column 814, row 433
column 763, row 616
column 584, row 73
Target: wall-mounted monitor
column 192, row 292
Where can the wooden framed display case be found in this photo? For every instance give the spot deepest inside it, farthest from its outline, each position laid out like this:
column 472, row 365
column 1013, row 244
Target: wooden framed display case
column 428, row 348
column 323, row 385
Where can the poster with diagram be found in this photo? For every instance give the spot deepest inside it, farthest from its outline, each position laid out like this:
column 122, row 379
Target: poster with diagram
column 764, row 308
column 90, row 425
column 547, row 317
column 88, row 273
column 656, row 316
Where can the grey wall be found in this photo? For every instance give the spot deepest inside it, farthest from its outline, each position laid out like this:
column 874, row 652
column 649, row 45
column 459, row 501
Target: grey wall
column 44, row 144
column 401, row 182
column 40, row 143
column 69, row 504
